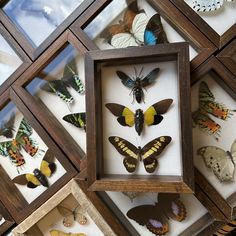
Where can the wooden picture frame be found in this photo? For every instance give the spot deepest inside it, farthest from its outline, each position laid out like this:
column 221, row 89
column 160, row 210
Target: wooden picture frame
column 227, row 56
column 20, row 53
column 168, row 11
column 8, row 223
column 226, row 80
column 32, row 52
column 206, row 225
column 94, row 207
column 219, row 40
column 10, row 195
column 40, row 110
column 97, row 180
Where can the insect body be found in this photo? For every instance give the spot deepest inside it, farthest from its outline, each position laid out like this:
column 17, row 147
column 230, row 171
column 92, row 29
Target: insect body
column 138, row 83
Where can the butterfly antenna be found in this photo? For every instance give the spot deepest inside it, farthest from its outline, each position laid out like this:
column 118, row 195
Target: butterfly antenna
column 135, row 72
column 141, row 71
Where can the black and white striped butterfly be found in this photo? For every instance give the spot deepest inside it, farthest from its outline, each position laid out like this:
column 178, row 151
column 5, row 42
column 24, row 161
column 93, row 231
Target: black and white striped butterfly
column 208, row 5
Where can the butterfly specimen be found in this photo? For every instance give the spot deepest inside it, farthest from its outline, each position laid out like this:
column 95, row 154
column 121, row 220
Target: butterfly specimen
column 208, row 105
column 55, row 232
column 12, row 148
column 76, row 119
column 152, row 116
column 132, row 195
column 155, row 217
column 220, row 161
column 6, row 128
column 136, row 29
column 208, row 5
column 70, row 216
column 70, row 79
column 137, row 83
column 147, row 154
column 39, row 176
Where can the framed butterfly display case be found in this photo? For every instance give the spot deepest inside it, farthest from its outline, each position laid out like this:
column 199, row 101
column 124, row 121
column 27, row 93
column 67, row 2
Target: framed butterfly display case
column 53, row 17
column 32, row 168
column 6, row 220
column 214, row 114
column 206, row 15
column 122, row 23
column 137, row 130
column 54, row 90
column 13, row 60
column 165, row 213
column 71, row 211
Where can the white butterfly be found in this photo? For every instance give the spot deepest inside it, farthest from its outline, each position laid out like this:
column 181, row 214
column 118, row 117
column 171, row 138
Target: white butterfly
column 208, row 5
column 221, row 162
column 136, row 35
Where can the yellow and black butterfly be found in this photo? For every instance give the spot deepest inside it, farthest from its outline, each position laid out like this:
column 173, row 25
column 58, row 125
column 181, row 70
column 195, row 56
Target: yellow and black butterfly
column 152, row 116
column 39, row 176
column 208, row 105
column 55, row 232
column 147, row 154
column 76, row 119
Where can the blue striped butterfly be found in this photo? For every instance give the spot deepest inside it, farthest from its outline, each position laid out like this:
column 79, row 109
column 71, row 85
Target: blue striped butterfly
column 155, row 217
column 76, row 119
column 208, row 5
column 70, row 79
column 208, row 106
column 12, row 148
column 147, row 154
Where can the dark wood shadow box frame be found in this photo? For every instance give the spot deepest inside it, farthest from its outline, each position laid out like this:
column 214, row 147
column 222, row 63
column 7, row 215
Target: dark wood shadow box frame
column 32, row 52
column 88, row 200
column 227, row 81
column 169, row 12
column 39, row 109
column 20, row 53
column 204, row 226
column 218, row 40
column 10, row 196
column 8, row 223
column 97, row 180
column 228, row 56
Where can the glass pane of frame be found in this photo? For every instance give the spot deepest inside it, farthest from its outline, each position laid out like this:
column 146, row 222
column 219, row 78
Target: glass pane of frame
column 44, row 16
column 116, row 27
column 9, row 61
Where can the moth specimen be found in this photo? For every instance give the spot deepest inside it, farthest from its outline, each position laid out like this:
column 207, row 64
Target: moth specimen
column 70, row 216
column 220, row 161
column 137, row 83
column 39, row 176
column 147, row 154
column 6, row 127
column 55, row 232
column 152, row 116
column 70, row 79
column 76, row 119
column 208, row 5
column 136, row 29
column 208, row 105
column 12, row 148
column 155, row 217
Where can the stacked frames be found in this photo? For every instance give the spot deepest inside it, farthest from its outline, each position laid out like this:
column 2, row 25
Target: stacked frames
column 66, row 144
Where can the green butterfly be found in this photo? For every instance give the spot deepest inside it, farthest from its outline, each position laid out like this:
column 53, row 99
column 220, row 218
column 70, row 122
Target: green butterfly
column 76, row 119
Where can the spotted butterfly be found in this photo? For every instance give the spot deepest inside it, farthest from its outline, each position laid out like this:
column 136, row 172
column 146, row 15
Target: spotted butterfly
column 155, row 217
column 70, row 79
column 147, row 154
column 208, row 105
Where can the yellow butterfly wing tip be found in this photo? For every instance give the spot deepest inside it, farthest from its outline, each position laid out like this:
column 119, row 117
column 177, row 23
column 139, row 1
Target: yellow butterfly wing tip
column 33, row 179
column 44, row 168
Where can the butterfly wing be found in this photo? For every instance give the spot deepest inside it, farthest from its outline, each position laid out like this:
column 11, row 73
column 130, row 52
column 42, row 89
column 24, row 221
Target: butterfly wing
column 150, row 216
column 128, row 150
column 68, row 215
column 153, row 149
column 79, row 214
column 219, row 161
column 152, row 116
column 76, row 119
column 205, row 6
column 132, row 195
column 55, row 232
column 154, row 32
column 59, row 88
column 233, row 151
column 172, row 206
column 125, row 79
column 27, row 179
column 7, row 128
column 124, row 114
column 48, row 167
column 150, row 78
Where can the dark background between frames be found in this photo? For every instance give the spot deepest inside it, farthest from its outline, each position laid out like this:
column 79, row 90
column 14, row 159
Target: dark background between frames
column 193, row 31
